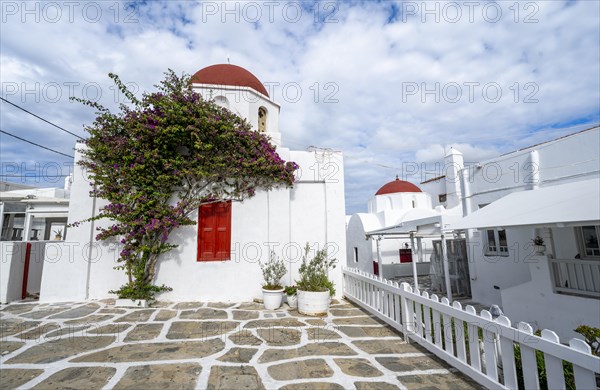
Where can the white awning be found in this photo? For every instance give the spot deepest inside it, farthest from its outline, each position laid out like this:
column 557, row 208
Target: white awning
column 426, row 226
column 571, row 204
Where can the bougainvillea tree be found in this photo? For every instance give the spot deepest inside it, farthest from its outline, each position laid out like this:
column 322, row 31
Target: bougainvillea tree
column 157, row 160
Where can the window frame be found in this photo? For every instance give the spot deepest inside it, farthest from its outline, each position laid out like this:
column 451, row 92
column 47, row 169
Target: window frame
column 581, row 242
column 497, row 249
column 224, row 255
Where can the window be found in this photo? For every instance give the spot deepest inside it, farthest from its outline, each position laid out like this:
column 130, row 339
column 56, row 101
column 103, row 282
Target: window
column 222, row 101
column 441, row 198
column 214, row 232
column 355, row 254
column 262, row 119
column 496, row 244
column 406, row 255
column 588, row 241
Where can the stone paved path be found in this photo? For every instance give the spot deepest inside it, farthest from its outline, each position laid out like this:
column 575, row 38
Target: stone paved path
column 93, row 345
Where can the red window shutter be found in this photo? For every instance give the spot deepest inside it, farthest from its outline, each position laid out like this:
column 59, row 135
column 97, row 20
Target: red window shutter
column 214, row 232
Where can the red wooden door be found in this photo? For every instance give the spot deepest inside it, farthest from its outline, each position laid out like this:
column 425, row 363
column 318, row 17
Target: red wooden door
column 214, row 232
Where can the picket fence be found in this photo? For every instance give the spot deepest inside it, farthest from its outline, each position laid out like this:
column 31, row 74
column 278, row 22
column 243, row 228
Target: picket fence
column 476, row 344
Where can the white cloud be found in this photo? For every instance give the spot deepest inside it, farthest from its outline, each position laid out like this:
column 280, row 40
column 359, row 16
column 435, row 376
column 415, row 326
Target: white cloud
column 372, row 68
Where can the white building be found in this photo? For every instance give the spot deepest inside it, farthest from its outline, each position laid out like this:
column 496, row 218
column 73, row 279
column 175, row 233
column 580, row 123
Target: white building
column 204, row 266
column 550, row 190
column 30, row 218
column 379, row 254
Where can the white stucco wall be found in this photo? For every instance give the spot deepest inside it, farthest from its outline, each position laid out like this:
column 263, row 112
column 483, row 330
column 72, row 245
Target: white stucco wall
column 493, row 274
column 536, row 303
column 401, row 201
column 435, row 188
column 355, row 237
column 244, row 102
column 12, row 262
column 12, row 268
column 36, row 266
column 283, row 220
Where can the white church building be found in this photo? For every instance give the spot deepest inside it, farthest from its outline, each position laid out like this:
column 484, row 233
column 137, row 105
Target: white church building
column 385, row 241
column 393, row 203
column 205, row 267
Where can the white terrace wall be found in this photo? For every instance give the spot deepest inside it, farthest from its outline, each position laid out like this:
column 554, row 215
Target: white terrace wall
column 283, row 220
column 12, row 268
column 536, row 303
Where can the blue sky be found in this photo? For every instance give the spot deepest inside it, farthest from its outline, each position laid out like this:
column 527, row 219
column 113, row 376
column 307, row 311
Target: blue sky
column 388, row 83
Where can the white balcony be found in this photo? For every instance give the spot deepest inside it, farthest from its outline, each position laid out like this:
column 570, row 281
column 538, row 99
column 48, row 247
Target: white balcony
column 576, row 276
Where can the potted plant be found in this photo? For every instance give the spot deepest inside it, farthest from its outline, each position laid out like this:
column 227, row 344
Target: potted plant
column 58, row 234
column 272, row 290
column 314, row 286
column 292, row 298
column 538, row 245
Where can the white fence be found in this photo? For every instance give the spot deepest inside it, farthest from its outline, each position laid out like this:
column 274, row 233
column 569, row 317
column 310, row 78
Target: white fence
column 483, row 348
column 576, row 276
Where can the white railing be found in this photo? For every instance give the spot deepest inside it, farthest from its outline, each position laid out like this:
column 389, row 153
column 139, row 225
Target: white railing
column 479, row 346
column 576, row 276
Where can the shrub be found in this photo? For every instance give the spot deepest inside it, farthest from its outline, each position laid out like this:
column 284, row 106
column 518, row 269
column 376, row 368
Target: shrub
column 273, row 270
column 314, row 272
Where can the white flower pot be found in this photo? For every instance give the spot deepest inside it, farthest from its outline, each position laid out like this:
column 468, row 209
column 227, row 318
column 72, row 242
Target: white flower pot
column 272, row 298
column 539, row 249
column 313, row 303
column 292, row 301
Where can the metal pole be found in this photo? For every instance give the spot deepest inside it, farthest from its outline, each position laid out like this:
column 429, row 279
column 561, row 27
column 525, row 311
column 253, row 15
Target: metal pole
column 380, row 265
column 1, row 219
column 414, row 263
column 27, row 227
column 446, row 269
column 420, row 248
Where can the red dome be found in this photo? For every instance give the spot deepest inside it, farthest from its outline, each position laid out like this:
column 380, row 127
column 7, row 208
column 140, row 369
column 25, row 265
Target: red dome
column 397, row 186
column 227, row 74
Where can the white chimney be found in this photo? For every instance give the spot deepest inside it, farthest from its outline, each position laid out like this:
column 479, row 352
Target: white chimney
column 453, row 165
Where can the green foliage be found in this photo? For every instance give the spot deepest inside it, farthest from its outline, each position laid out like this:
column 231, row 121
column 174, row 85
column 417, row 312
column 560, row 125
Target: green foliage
column 137, row 290
column 273, row 270
column 538, row 240
column 541, row 369
column 157, row 161
column 290, row 290
column 592, row 337
column 314, row 272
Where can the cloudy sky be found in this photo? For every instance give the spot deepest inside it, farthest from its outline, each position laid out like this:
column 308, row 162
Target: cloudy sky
column 388, row 83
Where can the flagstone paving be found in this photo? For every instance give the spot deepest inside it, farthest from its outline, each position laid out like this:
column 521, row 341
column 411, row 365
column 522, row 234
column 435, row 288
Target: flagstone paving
column 209, row 345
